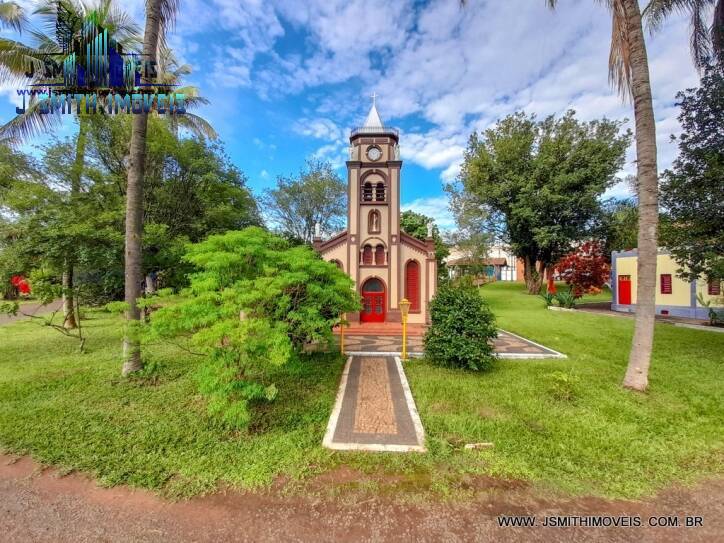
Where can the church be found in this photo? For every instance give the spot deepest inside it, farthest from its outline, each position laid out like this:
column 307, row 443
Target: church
column 385, row 263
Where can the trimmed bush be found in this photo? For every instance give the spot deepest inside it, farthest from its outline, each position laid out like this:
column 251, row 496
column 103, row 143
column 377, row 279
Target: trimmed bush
column 462, row 327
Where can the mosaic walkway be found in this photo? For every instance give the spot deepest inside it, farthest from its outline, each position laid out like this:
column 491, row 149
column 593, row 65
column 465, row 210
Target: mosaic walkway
column 507, row 346
column 374, row 410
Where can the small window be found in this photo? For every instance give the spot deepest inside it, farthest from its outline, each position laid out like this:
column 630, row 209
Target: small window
column 665, row 283
column 367, row 254
column 373, row 285
column 337, row 263
column 367, row 192
column 714, row 288
column 380, row 192
column 373, row 223
column 379, row 255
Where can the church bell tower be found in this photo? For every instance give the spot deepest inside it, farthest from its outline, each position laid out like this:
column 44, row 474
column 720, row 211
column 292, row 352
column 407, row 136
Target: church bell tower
column 373, row 176
column 385, row 263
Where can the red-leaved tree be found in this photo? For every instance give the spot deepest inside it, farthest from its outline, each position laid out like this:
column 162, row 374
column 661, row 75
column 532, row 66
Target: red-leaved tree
column 20, row 283
column 585, row 270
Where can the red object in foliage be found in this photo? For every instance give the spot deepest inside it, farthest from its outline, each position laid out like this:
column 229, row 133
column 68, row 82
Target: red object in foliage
column 551, row 286
column 20, row 283
column 586, row 269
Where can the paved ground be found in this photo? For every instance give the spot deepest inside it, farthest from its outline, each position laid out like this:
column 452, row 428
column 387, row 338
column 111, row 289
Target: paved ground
column 42, row 507
column 507, row 345
column 31, row 309
column 374, row 410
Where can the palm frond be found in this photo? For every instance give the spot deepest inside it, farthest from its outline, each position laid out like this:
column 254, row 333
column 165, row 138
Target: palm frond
column 657, row 11
column 717, row 32
column 12, row 16
column 619, row 58
column 30, row 124
column 195, row 124
column 192, row 96
column 702, row 37
column 15, row 59
column 169, row 9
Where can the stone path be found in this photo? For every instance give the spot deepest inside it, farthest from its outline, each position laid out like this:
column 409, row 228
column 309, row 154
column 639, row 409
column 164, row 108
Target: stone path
column 374, row 410
column 507, row 345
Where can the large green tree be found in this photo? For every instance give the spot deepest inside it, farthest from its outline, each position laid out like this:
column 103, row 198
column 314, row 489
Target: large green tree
column 317, row 195
column 692, row 189
column 254, row 302
column 17, row 59
column 619, row 225
column 540, row 182
column 415, row 224
column 195, row 192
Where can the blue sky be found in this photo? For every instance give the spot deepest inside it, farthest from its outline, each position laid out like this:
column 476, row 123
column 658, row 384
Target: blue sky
column 288, row 79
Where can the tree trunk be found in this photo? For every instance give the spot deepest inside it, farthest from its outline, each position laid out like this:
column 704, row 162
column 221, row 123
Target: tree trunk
column 134, row 206
column 647, row 174
column 69, row 321
column 532, row 277
column 151, row 284
column 76, row 175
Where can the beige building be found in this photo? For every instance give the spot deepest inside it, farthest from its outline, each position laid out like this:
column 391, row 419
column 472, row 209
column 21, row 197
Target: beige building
column 385, row 263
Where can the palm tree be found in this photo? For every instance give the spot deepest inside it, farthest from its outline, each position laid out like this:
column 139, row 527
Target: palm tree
column 629, row 73
column 160, row 14
column 707, row 41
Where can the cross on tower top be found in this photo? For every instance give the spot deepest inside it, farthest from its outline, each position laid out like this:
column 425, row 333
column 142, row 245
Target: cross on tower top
column 374, row 98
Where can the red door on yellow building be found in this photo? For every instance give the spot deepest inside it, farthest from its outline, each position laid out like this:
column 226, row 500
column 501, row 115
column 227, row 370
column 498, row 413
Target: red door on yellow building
column 624, row 289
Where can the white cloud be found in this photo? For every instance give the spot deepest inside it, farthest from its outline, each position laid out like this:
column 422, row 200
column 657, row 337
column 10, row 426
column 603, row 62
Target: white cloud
column 437, row 207
column 321, row 128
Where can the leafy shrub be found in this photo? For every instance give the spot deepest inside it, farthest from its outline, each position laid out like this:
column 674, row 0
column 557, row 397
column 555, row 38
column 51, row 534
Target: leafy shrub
column 566, row 298
column 254, row 303
column 547, row 297
column 461, row 330
column 715, row 316
column 564, row 386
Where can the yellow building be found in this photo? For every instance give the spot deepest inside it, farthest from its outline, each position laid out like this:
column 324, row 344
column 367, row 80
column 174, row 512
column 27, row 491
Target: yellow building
column 674, row 296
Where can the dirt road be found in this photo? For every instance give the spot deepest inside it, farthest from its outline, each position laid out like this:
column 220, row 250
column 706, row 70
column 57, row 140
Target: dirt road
column 38, row 505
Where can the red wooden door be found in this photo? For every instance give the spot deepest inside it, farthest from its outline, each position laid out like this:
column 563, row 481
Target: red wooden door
column 373, row 307
column 373, row 301
column 624, row 289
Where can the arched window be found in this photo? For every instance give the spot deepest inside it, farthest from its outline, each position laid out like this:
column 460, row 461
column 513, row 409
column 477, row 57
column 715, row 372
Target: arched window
column 367, row 192
column 373, row 285
column 367, row 254
column 412, row 284
column 380, row 255
column 373, row 222
column 337, row 263
column 380, row 192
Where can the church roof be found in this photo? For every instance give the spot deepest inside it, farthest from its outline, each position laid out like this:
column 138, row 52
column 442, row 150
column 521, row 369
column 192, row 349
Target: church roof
column 373, row 118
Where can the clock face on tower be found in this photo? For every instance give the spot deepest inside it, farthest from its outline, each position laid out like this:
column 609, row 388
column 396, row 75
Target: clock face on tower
column 374, row 153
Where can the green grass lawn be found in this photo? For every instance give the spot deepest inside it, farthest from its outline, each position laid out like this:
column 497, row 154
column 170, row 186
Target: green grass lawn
column 561, row 425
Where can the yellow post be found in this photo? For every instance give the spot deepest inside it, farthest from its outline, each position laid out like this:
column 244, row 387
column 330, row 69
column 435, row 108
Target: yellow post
column 405, row 309
column 341, row 333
